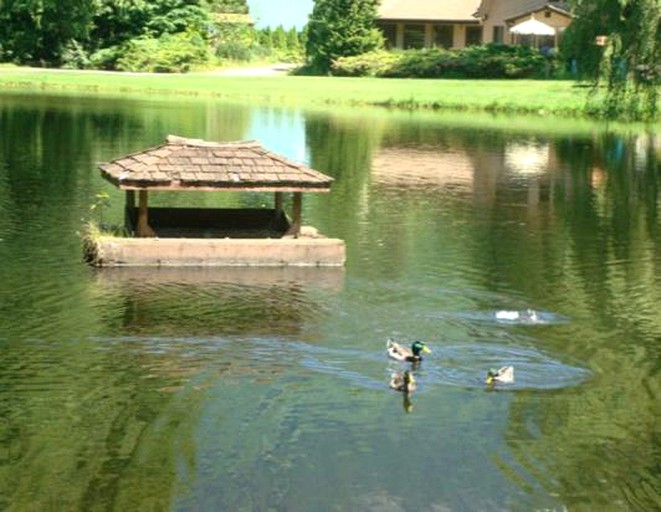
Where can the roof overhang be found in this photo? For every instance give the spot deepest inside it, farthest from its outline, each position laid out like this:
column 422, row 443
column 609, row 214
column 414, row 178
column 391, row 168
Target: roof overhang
column 181, row 187
column 425, row 11
column 473, row 21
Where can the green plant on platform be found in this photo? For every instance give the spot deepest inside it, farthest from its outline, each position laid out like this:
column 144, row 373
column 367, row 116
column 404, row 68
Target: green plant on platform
column 101, row 202
column 91, row 234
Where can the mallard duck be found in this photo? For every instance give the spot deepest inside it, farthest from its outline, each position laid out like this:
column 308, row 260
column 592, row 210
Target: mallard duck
column 504, row 375
column 401, row 353
column 403, row 381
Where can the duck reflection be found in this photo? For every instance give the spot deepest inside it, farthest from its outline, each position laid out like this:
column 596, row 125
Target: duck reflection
column 405, row 383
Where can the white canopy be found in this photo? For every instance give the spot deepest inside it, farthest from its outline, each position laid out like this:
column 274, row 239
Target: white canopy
column 533, row 27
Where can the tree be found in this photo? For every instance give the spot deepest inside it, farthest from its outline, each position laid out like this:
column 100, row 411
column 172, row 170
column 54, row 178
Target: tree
column 38, row 31
column 341, row 28
column 626, row 61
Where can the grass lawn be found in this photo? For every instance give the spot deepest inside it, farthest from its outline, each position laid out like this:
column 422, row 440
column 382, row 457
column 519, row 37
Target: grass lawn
column 534, row 96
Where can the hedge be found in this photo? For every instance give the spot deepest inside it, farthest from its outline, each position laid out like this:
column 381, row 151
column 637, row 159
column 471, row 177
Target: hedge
column 487, row 61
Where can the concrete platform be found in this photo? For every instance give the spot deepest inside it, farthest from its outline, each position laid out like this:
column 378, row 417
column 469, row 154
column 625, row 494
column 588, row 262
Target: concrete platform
column 200, row 252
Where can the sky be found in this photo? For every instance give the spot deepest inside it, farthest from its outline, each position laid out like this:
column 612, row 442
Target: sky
column 288, row 13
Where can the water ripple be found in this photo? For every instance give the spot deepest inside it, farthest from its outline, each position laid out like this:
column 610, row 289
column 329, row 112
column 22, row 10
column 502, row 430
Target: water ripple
column 528, row 317
column 464, row 365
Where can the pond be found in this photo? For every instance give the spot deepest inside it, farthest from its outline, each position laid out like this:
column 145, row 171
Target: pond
column 267, row 389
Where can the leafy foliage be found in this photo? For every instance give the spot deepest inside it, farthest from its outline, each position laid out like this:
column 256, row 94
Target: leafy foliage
column 170, row 53
column 117, row 34
column 341, row 28
column 627, row 65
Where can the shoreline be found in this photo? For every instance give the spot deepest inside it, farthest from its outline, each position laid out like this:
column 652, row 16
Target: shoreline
column 271, row 84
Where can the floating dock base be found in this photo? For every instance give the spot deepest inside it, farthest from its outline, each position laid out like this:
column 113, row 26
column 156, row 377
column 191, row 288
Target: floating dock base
column 106, row 251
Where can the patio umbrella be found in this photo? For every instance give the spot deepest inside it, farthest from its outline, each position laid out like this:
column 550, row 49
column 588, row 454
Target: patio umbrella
column 532, row 27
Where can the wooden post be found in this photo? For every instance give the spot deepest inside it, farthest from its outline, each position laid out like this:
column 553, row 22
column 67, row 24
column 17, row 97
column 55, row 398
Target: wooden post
column 143, row 230
column 129, row 209
column 429, row 35
column 296, row 214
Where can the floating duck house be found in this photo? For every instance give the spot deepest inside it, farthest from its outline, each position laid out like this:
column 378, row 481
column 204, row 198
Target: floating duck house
column 214, row 236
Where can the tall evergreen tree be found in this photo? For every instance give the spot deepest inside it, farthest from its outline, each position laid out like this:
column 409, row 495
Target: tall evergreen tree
column 626, row 60
column 293, row 41
column 341, row 28
column 280, row 38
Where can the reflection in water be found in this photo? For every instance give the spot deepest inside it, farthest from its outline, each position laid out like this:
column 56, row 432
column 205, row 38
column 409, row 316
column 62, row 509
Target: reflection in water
column 216, row 300
column 528, row 158
column 407, row 403
column 324, row 278
column 422, row 167
column 246, row 389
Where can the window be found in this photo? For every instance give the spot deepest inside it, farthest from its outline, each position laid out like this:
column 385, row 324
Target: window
column 390, row 34
column 473, row 35
column 498, row 34
column 414, row 36
column 444, row 36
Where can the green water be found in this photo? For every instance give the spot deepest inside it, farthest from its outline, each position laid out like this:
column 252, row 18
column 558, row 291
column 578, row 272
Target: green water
column 260, row 390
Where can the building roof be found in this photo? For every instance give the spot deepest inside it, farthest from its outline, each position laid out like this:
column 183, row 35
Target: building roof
column 194, row 164
column 513, row 10
column 557, row 7
column 426, row 10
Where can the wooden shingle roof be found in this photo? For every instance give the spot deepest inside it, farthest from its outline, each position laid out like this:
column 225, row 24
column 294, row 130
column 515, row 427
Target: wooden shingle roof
column 194, row 164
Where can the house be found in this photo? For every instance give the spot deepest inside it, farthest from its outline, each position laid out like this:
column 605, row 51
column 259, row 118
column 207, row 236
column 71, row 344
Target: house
column 427, row 24
column 459, row 23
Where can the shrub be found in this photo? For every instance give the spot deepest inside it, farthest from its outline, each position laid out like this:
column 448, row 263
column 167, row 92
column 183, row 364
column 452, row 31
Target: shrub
column 488, row 61
column 427, row 63
column 374, row 63
column 74, row 56
column 105, row 58
column 170, row 53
